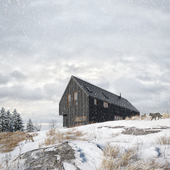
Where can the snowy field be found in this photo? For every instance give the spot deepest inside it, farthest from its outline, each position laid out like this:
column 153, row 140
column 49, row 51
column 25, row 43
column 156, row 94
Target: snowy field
column 88, row 152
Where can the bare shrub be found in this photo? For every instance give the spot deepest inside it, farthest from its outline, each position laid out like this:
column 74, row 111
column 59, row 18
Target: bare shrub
column 166, row 115
column 6, row 159
column 53, row 124
column 163, row 140
column 37, row 127
column 51, row 132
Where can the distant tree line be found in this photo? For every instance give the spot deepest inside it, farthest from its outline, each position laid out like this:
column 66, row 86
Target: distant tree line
column 10, row 122
column 13, row 122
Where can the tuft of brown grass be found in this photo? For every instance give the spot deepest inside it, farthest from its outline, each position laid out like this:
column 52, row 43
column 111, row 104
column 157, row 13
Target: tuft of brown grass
column 166, row 115
column 54, row 136
column 133, row 118
column 9, row 140
column 127, row 118
column 35, row 134
column 51, row 132
column 163, row 140
column 115, row 159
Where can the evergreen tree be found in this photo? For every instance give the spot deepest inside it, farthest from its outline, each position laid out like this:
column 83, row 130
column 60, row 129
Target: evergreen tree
column 19, row 123
column 30, row 126
column 8, row 121
column 15, row 123
column 2, row 120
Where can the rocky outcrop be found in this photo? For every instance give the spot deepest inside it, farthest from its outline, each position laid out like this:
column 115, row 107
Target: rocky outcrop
column 48, row 158
column 136, row 131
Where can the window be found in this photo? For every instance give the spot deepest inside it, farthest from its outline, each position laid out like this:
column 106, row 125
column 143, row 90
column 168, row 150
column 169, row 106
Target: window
column 105, row 104
column 69, row 100
column 75, row 99
column 118, row 118
column 95, row 101
column 80, row 119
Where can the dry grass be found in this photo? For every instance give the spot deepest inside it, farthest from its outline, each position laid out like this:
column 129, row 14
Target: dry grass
column 166, row 115
column 138, row 118
column 163, row 140
column 113, row 135
column 133, row 118
column 115, row 159
column 54, row 136
column 9, row 140
column 127, row 118
column 51, row 132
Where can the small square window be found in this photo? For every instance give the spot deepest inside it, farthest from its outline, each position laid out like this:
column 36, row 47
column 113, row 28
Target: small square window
column 105, row 104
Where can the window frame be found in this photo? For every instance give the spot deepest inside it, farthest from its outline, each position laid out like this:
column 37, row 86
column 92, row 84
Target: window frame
column 95, row 101
column 79, row 119
column 68, row 101
column 107, row 104
column 118, row 118
column 74, row 101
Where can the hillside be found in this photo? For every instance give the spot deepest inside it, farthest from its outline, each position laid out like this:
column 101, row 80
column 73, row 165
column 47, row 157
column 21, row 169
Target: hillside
column 125, row 144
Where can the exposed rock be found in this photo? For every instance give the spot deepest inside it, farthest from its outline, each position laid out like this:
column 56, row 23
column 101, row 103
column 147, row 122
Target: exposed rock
column 137, row 131
column 49, row 158
column 113, row 127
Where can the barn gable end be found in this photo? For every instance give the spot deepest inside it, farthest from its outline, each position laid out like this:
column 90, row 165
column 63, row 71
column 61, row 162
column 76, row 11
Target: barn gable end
column 74, row 110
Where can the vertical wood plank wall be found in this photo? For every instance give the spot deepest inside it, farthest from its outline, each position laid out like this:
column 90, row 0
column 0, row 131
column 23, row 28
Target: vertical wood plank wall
column 98, row 113
column 81, row 109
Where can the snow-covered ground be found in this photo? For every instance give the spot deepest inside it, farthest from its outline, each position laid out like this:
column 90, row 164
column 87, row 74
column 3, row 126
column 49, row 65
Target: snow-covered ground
column 88, row 153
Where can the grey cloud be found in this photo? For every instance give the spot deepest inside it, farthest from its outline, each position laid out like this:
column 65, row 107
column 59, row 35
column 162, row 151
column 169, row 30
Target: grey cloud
column 147, row 96
column 20, row 92
column 52, row 91
column 119, row 45
column 4, row 79
column 18, row 75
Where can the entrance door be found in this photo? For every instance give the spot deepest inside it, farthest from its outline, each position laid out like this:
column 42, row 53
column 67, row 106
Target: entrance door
column 65, row 121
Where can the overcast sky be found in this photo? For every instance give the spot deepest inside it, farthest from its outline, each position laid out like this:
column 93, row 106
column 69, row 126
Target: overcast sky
column 122, row 46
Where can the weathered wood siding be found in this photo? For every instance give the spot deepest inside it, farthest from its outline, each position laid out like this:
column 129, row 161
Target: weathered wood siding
column 98, row 113
column 81, row 109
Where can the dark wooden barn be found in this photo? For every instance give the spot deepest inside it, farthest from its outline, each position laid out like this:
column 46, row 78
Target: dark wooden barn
column 84, row 103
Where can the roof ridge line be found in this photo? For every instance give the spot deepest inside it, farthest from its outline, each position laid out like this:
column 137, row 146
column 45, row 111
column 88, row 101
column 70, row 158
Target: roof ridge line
column 99, row 87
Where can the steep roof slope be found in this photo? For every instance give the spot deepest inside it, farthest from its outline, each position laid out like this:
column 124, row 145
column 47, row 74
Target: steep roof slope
column 99, row 93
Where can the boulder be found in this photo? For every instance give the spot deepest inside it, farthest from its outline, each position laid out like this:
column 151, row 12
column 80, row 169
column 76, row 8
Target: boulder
column 48, row 158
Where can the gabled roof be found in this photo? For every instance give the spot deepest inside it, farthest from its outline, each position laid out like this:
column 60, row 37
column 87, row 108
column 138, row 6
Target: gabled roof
column 99, row 93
